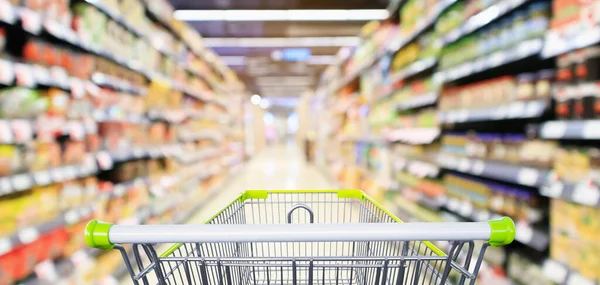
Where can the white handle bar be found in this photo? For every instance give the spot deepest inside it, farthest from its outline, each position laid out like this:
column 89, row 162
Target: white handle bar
column 103, row 235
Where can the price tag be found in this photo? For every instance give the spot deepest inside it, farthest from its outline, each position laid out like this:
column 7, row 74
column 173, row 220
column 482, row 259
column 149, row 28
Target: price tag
column 528, row 176
column 46, row 270
column 57, row 174
column 42, row 178
column 32, row 21
column 76, row 130
column 77, row 88
column 42, row 75
column 7, row 72
column 453, row 204
column 591, row 130
column 22, row 130
column 478, row 167
column 54, row 28
column 24, row 75
column 462, row 116
column 466, row 209
column 524, row 233
column 81, row 259
column 104, row 160
column 464, row 164
column 587, row 194
column 578, row 279
column 70, row 36
column 516, row 110
column 90, row 126
column 496, row 59
column 138, row 152
column 92, row 88
column 90, row 164
column 87, row 211
column 552, row 189
column 119, row 190
column 130, row 221
column 482, row 216
column 553, row 130
column 60, row 77
column 28, row 235
column 72, row 217
column 5, row 185
column 6, row 135
column 5, row 246
column 555, row 271
column 70, row 172
column 7, row 12
column 21, row 182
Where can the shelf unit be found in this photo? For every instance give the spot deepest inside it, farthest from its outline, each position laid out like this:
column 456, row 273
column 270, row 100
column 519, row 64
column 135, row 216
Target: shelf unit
column 409, row 136
column 177, row 120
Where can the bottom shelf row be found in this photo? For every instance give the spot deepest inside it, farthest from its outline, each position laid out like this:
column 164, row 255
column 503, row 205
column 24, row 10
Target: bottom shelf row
column 554, row 241
column 55, row 252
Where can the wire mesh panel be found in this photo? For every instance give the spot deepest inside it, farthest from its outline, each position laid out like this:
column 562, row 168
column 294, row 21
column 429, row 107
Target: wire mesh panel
column 305, row 261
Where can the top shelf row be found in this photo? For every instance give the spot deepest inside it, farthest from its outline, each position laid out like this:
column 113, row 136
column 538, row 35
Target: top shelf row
column 35, row 22
column 555, row 42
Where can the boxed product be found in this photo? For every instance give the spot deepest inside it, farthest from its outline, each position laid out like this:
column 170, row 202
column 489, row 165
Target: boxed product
column 574, row 232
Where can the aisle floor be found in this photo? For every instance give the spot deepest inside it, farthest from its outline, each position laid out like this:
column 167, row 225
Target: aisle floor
column 277, row 167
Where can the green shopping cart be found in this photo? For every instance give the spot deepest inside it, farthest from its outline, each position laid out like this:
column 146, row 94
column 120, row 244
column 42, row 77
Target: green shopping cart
column 280, row 237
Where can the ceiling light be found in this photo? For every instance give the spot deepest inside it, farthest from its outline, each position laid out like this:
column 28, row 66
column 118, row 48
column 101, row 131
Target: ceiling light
column 282, row 42
column 282, row 15
column 264, row 103
column 255, row 99
column 234, row 60
column 321, row 59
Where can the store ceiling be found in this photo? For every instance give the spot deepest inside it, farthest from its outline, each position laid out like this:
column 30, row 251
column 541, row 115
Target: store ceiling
column 236, row 54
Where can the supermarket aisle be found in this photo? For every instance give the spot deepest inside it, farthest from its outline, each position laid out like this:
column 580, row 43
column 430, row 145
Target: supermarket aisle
column 278, row 167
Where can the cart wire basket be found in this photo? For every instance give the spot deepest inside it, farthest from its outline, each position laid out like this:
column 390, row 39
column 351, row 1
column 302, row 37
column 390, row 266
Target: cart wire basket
column 285, row 237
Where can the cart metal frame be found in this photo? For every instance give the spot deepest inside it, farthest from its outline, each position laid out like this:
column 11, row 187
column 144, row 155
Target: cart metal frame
column 283, row 237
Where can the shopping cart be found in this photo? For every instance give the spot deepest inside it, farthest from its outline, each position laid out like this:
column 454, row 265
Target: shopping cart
column 302, row 237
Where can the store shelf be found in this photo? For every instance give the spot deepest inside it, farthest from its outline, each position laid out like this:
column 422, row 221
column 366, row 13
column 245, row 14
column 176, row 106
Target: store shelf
column 366, row 139
column 413, row 135
column 563, row 275
column 418, row 101
column 115, row 16
column 190, row 158
column 426, row 22
column 481, row 19
column 413, row 69
column 584, row 192
column 571, row 130
column 520, row 51
column 526, row 234
column 31, row 234
column 121, row 271
column 506, row 172
column 416, row 167
column 515, row 110
column 118, row 84
column 31, row 75
column 354, row 74
column 189, row 137
column 557, row 44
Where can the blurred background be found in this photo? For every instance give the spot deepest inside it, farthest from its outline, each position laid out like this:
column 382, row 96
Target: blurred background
column 159, row 111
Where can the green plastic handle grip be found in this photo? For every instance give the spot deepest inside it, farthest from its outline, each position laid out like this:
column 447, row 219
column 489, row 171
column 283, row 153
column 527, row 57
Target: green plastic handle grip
column 503, row 231
column 96, row 235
